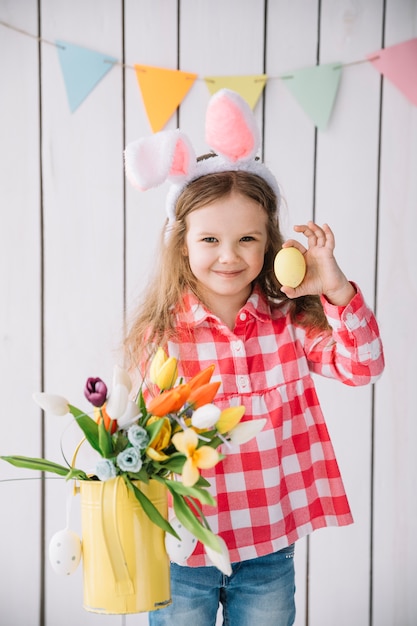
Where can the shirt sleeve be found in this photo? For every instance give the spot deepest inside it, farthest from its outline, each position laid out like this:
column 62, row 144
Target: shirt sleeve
column 352, row 351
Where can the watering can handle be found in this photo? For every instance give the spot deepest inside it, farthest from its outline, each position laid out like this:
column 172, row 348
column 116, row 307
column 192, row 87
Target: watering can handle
column 124, row 583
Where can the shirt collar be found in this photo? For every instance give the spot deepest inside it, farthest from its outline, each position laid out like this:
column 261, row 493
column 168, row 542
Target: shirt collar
column 195, row 313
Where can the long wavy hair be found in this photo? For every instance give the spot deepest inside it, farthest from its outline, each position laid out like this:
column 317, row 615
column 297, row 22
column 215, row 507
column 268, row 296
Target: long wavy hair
column 153, row 323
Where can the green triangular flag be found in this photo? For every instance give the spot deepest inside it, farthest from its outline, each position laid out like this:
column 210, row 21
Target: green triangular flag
column 315, row 89
column 82, row 70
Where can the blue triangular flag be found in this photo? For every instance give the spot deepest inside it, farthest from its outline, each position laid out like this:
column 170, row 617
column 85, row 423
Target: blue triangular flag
column 315, row 89
column 82, row 70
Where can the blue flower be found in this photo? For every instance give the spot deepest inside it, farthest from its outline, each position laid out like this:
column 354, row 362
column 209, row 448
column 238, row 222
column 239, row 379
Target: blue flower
column 138, row 436
column 105, row 469
column 129, row 460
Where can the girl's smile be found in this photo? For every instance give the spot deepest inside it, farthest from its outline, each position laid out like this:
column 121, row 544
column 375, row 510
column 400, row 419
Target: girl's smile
column 225, row 244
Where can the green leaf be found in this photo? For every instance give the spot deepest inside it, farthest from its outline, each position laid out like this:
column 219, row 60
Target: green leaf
column 199, row 494
column 88, row 426
column 175, row 463
column 42, row 465
column 154, row 429
column 76, row 474
column 120, row 442
column 186, row 517
column 150, row 509
column 105, row 441
column 140, row 401
column 202, row 482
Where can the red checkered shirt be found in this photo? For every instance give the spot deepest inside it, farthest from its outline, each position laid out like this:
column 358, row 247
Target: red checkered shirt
column 285, row 483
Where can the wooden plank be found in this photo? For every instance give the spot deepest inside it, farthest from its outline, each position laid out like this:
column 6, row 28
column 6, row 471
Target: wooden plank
column 19, row 314
column 395, row 543
column 83, row 191
column 346, row 198
column 150, row 39
column 289, row 152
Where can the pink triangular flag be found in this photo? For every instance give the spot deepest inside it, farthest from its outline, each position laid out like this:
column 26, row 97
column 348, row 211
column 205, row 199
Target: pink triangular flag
column 399, row 65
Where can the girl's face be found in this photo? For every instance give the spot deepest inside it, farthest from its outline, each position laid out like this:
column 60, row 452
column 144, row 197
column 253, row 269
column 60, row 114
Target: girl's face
column 225, row 243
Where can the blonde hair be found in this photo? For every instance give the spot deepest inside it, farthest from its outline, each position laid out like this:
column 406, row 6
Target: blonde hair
column 154, row 322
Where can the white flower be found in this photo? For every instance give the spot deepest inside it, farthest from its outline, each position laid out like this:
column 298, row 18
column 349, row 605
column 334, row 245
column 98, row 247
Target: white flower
column 221, row 560
column 129, row 460
column 117, row 402
column 121, row 377
column 205, row 416
column 138, row 436
column 119, row 396
column 246, row 431
column 105, row 469
column 130, row 415
column 57, row 405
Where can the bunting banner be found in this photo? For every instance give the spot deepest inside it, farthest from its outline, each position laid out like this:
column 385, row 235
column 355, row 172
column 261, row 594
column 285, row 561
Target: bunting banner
column 162, row 92
column 249, row 87
column 399, row 65
column 82, row 69
column 315, row 90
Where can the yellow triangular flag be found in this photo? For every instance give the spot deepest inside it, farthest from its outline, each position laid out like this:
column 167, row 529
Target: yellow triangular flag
column 249, row 87
column 162, row 92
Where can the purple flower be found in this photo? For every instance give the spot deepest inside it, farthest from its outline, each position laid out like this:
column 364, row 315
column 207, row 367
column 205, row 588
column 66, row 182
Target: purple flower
column 95, row 391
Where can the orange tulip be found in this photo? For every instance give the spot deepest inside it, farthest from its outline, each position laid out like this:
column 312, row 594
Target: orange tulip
column 202, row 377
column 204, row 394
column 169, row 401
column 101, row 414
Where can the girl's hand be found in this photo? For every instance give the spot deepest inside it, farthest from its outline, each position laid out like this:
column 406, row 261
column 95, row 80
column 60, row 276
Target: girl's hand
column 323, row 275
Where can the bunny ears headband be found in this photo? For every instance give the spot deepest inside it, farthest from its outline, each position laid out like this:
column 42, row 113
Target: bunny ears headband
column 231, row 131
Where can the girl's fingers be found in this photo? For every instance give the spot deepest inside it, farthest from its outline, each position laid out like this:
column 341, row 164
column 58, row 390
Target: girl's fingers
column 293, row 243
column 316, row 235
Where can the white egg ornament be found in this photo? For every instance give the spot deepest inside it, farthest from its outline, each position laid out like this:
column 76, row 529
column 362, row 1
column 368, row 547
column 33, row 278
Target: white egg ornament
column 179, row 551
column 65, row 552
column 290, row 267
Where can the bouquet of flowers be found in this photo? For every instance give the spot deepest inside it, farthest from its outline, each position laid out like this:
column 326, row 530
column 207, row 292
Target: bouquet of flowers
column 169, row 439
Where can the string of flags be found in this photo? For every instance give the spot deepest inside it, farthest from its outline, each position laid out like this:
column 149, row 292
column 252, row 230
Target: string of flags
column 163, row 90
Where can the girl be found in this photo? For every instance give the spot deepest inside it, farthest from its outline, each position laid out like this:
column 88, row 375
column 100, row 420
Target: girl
column 215, row 299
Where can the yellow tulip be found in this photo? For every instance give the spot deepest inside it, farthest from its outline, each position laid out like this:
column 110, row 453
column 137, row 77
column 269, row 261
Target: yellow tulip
column 197, row 458
column 168, row 374
column 161, row 441
column 229, row 418
column 156, row 364
column 163, row 370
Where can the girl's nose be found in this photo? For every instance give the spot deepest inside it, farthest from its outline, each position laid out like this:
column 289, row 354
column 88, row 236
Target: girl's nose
column 228, row 254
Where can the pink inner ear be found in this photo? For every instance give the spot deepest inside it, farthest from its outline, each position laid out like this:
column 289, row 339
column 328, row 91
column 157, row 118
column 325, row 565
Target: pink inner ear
column 227, row 130
column 181, row 162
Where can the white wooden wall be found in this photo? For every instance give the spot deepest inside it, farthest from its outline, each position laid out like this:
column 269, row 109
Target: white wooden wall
column 76, row 244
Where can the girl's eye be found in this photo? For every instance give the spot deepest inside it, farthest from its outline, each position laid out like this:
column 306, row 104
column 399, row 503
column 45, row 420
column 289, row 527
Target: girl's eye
column 209, row 239
column 248, row 238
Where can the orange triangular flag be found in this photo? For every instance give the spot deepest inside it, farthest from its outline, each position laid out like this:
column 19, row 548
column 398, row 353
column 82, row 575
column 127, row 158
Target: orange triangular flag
column 249, row 87
column 162, row 92
column 398, row 64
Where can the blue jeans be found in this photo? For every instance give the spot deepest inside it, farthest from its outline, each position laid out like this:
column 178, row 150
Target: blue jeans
column 259, row 592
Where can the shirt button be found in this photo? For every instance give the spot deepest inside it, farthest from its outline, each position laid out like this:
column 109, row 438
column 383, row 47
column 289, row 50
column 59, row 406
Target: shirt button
column 243, row 382
column 242, row 316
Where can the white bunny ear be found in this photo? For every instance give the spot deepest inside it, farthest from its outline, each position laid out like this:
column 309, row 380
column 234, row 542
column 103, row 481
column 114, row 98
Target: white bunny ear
column 231, row 129
column 152, row 160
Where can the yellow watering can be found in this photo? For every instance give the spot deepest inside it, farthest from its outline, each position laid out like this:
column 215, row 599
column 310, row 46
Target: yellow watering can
column 126, row 567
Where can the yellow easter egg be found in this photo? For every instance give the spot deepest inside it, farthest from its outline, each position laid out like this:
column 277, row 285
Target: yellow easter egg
column 290, row 267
